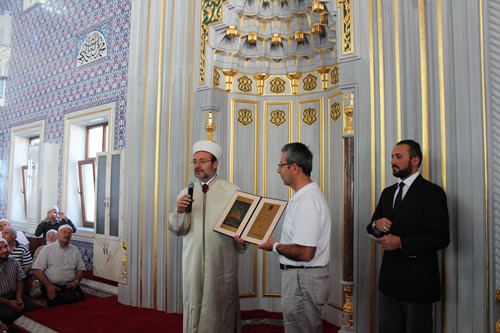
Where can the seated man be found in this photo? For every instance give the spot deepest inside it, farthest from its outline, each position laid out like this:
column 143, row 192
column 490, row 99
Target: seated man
column 53, row 220
column 36, row 285
column 21, row 238
column 17, row 251
column 12, row 301
column 59, row 266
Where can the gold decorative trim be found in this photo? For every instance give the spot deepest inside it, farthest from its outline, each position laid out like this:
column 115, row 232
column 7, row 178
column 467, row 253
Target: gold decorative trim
column 347, row 310
column 348, row 112
column 157, row 144
column 373, row 160
column 143, row 151
column 346, row 23
column 381, row 92
column 485, row 153
column 424, row 87
column 398, row 69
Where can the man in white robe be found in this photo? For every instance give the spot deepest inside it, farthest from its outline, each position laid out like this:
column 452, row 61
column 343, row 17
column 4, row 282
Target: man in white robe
column 209, row 259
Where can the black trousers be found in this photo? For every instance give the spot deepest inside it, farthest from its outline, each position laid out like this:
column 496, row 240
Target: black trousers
column 64, row 295
column 404, row 317
column 8, row 315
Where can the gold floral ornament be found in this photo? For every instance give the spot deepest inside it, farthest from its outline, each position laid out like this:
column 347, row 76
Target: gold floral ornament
column 334, row 75
column 310, row 82
column 309, row 116
column 245, row 117
column 277, row 85
column 335, row 111
column 245, row 84
column 277, row 117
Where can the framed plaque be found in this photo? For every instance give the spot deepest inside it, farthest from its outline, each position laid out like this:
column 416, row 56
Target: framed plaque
column 250, row 216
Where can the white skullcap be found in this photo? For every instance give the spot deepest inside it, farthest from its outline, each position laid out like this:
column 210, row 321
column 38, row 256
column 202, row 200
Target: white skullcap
column 12, row 229
column 208, row 146
column 3, row 240
column 54, row 230
column 53, row 207
column 66, row 226
column 4, row 220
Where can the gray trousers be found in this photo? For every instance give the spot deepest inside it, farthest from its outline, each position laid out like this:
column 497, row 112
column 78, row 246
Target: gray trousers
column 303, row 293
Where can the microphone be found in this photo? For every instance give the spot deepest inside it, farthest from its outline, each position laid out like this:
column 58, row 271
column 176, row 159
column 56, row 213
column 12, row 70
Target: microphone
column 190, row 192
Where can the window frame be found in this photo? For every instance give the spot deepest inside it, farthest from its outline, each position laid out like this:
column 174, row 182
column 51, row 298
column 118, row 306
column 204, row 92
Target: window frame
column 88, row 160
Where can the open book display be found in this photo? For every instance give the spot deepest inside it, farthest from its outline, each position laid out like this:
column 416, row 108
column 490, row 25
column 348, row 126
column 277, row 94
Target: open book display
column 251, row 217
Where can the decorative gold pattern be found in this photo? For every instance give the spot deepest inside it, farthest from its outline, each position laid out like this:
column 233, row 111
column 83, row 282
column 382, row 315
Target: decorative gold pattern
column 309, row 116
column 245, row 84
column 310, row 82
column 277, row 117
column 216, row 78
column 232, row 31
column 347, row 314
column 123, row 277
column 335, row 111
column 245, row 117
column 346, row 19
column 334, row 75
column 229, row 74
column 278, row 85
column 261, row 79
column 211, row 12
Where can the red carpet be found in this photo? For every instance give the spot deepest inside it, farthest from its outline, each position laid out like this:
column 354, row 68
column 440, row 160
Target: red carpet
column 105, row 315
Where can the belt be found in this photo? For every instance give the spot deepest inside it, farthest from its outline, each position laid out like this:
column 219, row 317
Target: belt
column 285, row 267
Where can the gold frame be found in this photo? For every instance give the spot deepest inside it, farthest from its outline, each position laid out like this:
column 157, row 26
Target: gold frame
column 263, row 221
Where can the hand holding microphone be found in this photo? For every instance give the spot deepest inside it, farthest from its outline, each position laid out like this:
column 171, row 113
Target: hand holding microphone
column 190, row 192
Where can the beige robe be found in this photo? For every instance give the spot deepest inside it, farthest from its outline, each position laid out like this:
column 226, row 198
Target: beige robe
column 210, row 264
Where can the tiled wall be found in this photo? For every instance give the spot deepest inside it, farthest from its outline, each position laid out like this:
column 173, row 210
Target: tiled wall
column 44, row 82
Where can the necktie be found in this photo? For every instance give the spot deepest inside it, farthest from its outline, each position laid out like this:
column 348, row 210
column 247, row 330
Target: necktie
column 399, row 197
column 205, row 188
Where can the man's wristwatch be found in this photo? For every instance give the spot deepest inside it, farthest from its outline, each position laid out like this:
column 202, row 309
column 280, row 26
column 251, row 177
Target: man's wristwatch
column 275, row 250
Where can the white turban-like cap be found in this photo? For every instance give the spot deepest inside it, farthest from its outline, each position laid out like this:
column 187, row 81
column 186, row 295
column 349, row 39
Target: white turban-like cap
column 53, row 207
column 66, row 226
column 208, row 146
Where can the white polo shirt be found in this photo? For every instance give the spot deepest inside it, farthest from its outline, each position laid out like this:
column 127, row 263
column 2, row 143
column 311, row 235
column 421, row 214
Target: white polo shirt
column 307, row 222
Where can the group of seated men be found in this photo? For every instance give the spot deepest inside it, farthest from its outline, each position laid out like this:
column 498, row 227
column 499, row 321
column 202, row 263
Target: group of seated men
column 57, row 267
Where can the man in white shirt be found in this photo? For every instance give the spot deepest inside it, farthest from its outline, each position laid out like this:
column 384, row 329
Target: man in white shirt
column 60, row 268
column 304, row 248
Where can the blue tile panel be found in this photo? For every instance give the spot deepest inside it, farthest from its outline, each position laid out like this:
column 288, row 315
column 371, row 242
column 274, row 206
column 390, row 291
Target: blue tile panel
column 44, row 82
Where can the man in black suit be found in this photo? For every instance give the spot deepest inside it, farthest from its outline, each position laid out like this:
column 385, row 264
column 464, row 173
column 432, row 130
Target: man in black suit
column 411, row 224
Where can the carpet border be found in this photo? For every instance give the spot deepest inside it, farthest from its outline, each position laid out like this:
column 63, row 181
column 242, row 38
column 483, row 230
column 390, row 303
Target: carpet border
column 32, row 326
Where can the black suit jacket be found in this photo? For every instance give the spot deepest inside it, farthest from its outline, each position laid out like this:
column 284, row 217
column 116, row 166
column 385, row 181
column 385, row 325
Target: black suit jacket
column 411, row 273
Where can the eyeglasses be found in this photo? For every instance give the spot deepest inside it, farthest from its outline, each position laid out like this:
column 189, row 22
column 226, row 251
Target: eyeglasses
column 200, row 161
column 280, row 165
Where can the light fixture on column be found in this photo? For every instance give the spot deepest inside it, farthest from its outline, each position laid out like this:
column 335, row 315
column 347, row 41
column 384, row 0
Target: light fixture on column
column 210, row 126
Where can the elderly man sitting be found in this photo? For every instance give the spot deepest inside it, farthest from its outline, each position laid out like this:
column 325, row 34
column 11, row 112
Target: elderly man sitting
column 36, row 285
column 12, row 301
column 21, row 238
column 60, row 267
column 17, row 250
